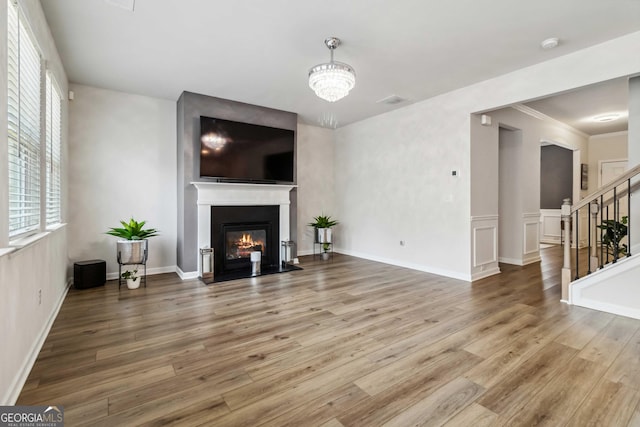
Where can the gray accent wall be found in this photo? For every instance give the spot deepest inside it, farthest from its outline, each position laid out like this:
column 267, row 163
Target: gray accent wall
column 556, row 176
column 189, row 109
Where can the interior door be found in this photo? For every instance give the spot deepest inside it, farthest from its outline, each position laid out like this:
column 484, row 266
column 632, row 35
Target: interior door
column 608, row 172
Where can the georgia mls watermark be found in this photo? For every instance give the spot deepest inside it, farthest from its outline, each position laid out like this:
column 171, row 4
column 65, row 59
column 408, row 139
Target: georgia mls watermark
column 31, row 416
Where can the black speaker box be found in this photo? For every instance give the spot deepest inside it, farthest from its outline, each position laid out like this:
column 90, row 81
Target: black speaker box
column 89, row 274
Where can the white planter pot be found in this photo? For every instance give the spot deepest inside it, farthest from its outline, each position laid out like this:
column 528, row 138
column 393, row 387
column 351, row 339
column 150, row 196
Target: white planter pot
column 323, row 235
column 133, row 283
column 325, row 256
column 132, row 251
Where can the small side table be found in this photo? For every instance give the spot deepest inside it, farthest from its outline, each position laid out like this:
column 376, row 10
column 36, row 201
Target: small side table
column 89, row 274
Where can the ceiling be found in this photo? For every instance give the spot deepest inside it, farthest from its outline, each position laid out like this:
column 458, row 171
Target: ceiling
column 259, row 52
column 579, row 107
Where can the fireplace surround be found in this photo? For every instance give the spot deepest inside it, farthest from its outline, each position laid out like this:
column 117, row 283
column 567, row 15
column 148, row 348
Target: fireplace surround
column 235, row 195
column 236, row 231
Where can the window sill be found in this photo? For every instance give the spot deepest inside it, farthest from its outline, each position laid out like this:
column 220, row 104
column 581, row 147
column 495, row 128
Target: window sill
column 23, row 242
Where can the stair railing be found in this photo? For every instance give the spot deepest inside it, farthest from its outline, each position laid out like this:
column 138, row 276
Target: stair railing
column 608, row 231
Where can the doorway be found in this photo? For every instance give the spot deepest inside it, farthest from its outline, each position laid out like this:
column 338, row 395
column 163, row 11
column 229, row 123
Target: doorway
column 510, row 240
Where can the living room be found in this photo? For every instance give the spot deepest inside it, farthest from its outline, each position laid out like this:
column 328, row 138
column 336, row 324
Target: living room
column 386, row 175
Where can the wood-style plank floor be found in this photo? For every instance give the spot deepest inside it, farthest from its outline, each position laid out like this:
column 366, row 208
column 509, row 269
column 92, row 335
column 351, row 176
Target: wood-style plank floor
column 347, row 342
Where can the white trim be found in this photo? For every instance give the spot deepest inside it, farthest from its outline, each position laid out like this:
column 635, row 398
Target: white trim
column 520, row 262
column 475, row 246
column 546, row 142
column 535, row 215
column 150, row 271
column 23, row 373
column 409, row 265
column 186, row 275
column 512, row 261
column 530, row 220
column 596, row 277
column 482, row 274
column 484, row 218
column 609, row 308
column 232, row 194
column 601, row 162
column 541, row 116
column 549, row 218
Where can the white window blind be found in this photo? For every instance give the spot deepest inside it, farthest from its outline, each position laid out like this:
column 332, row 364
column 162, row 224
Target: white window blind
column 24, row 100
column 53, row 143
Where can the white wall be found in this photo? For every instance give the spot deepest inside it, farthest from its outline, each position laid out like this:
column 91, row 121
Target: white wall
column 521, row 216
column 608, row 146
column 394, row 183
column 393, row 171
column 510, row 197
column 32, row 279
column 315, row 179
column 634, row 154
column 122, row 163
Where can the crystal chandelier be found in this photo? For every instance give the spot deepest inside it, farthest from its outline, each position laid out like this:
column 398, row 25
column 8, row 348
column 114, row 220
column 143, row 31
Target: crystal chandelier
column 332, row 80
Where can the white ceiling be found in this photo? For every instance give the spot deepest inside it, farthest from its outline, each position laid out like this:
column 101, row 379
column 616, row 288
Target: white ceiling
column 259, row 52
column 578, row 108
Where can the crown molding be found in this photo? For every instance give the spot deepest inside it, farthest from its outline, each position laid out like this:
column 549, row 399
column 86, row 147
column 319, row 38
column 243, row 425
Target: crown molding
column 541, row 116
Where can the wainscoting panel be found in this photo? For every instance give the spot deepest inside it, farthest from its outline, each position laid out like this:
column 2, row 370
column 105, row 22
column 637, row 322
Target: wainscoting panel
column 531, row 241
column 550, row 223
column 484, row 231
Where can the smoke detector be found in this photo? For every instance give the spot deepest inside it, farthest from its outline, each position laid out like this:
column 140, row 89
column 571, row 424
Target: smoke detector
column 549, row 43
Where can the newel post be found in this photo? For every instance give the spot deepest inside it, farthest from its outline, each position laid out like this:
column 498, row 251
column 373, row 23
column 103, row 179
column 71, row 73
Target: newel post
column 566, row 265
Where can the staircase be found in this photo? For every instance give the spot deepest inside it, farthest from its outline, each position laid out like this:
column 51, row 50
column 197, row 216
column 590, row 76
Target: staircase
column 601, row 270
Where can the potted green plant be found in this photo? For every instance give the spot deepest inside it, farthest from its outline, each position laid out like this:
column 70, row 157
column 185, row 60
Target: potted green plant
column 323, row 234
column 133, row 245
column 613, row 233
column 133, row 281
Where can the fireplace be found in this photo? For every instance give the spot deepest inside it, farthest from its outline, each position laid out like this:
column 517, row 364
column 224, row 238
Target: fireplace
column 236, row 231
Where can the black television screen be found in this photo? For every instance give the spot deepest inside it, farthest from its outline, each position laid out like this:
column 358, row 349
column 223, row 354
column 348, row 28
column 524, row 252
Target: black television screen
column 244, row 152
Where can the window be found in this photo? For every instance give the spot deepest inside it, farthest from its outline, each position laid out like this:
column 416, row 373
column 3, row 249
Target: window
column 34, row 133
column 24, row 101
column 53, row 143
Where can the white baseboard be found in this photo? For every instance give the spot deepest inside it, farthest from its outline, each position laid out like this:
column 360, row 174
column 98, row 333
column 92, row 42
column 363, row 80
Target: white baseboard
column 24, row 371
column 150, row 271
column 520, row 262
column 511, row 261
column 482, row 274
column 186, row 275
column 609, row 308
column 412, row 266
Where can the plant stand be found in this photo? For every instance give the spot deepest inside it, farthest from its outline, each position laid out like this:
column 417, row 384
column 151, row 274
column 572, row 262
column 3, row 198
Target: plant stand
column 143, row 262
column 321, row 251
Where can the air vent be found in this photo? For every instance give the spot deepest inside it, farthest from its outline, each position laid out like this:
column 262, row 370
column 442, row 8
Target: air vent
column 122, row 4
column 391, row 100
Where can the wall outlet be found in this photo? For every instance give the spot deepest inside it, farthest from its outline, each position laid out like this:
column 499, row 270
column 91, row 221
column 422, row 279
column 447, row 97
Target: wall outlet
column 39, row 296
column 401, row 242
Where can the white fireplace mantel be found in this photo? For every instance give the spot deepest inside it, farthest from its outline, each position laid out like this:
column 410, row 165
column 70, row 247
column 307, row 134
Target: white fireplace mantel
column 235, row 194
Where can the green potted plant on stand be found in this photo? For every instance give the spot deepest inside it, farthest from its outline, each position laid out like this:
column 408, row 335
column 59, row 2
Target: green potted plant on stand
column 323, row 234
column 612, row 234
column 132, row 246
column 133, row 281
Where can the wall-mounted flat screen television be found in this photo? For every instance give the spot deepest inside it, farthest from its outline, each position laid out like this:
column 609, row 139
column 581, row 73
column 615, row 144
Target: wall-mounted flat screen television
column 243, row 152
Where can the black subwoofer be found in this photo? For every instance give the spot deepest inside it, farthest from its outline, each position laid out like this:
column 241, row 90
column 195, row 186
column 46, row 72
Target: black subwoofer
column 89, row 274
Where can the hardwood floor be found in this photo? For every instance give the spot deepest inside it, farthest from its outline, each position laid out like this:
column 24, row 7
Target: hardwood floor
column 347, row 342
